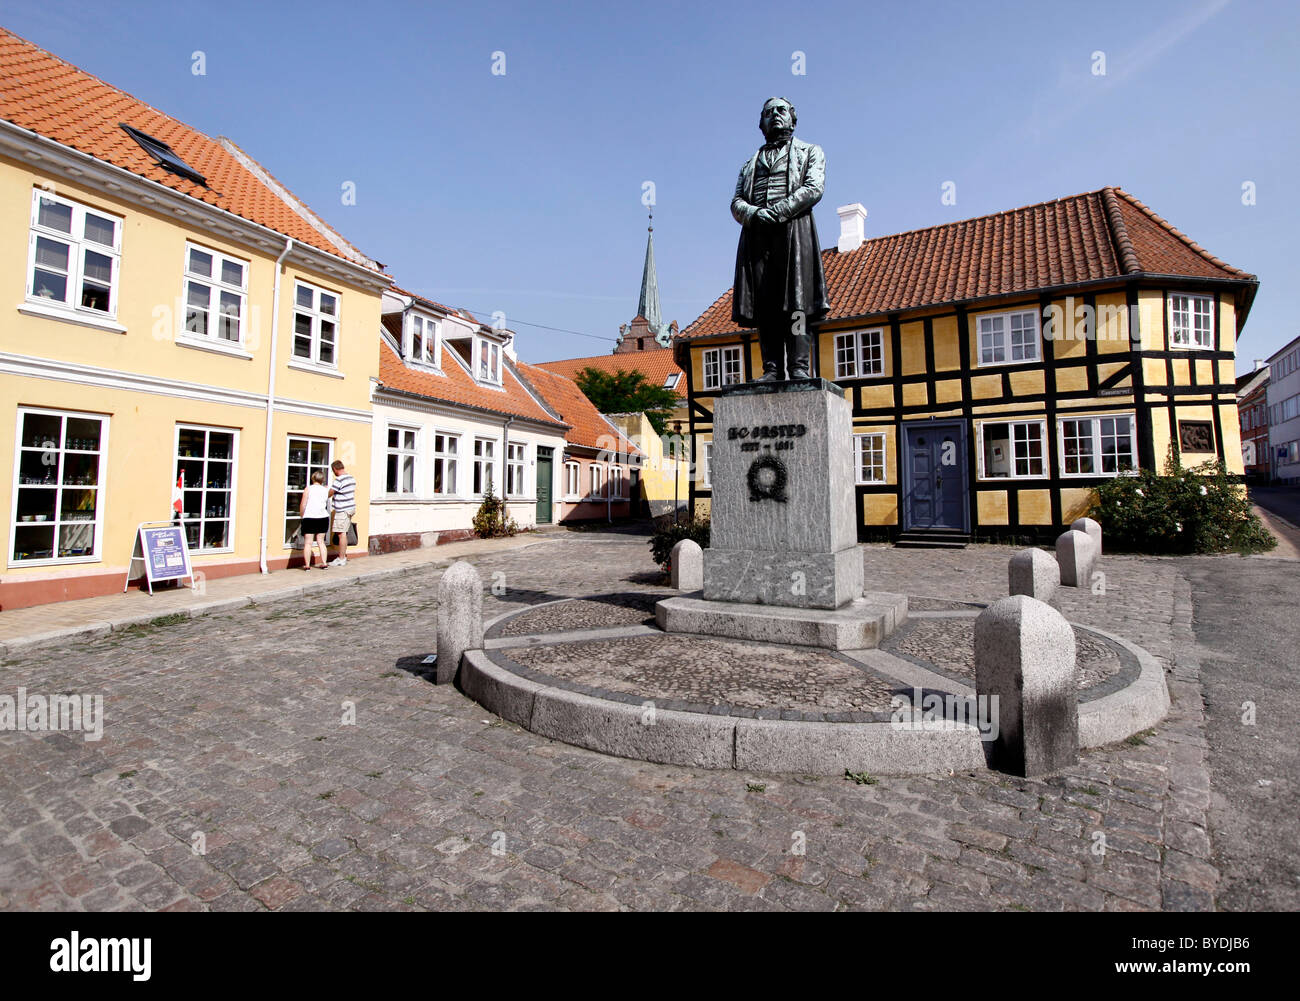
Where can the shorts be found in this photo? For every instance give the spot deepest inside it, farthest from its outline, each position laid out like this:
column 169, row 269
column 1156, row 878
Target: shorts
column 315, row 526
column 342, row 521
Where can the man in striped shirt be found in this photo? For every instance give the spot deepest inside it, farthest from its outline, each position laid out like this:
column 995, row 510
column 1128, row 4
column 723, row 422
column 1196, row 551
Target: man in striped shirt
column 343, row 498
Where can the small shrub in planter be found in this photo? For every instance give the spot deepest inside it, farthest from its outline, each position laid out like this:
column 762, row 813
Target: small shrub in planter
column 1197, row 510
column 667, row 536
column 491, row 521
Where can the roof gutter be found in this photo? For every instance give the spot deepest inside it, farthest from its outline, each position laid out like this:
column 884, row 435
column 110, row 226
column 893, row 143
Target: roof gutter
column 270, row 407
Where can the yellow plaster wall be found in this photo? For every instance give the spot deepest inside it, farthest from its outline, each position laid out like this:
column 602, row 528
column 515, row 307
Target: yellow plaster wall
column 947, row 348
column 1076, row 502
column 991, row 507
column 1035, row 507
column 881, row 509
column 913, row 348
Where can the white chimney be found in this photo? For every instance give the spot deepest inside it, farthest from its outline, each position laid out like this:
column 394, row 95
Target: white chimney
column 853, row 228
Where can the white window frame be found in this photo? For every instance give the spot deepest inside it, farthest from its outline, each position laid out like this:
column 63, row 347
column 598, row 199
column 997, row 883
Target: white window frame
column 572, row 480
column 429, row 330
column 616, row 481
column 873, row 443
column 1013, row 457
column 233, row 489
column 215, row 286
column 318, row 316
column 445, row 459
column 291, row 507
column 596, row 472
column 516, row 462
column 728, row 366
column 853, row 347
column 706, row 464
column 96, row 555
column 487, row 352
column 484, row 466
column 1005, row 335
column 78, row 247
column 1186, row 336
column 1096, row 439
column 401, row 453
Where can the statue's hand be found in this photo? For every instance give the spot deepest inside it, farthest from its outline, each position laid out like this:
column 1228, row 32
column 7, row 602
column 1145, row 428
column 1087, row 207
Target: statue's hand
column 765, row 217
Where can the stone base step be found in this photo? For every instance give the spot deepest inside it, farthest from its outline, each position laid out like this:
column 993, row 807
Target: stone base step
column 937, row 539
column 861, row 624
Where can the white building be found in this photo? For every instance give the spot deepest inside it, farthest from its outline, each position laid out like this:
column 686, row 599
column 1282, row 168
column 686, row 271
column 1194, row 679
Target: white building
column 453, row 419
column 1284, row 413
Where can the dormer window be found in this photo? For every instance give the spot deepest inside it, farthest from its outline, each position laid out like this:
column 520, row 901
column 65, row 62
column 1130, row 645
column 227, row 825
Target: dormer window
column 487, row 363
column 423, row 345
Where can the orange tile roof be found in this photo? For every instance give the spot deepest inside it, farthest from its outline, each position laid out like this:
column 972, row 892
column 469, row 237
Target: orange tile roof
column 1088, row 237
column 563, row 396
column 42, row 93
column 657, row 366
column 455, row 385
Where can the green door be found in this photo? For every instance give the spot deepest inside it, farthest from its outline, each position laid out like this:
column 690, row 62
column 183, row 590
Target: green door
column 545, row 474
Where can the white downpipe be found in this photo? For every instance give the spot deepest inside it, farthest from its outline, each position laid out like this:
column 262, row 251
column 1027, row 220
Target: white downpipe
column 270, row 405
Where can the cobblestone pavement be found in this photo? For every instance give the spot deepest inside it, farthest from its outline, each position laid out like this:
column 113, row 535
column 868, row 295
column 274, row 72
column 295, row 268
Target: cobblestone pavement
column 229, row 733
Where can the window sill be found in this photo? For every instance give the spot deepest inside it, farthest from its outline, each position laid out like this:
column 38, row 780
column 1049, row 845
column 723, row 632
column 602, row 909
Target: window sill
column 1005, row 364
column 54, row 561
column 216, row 347
column 303, row 366
column 1190, row 347
column 65, row 315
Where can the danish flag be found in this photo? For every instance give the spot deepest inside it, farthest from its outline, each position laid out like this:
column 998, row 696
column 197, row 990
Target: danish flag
column 176, row 493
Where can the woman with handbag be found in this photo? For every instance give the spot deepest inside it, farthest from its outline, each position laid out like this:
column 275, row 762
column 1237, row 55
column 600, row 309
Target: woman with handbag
column 315, row 520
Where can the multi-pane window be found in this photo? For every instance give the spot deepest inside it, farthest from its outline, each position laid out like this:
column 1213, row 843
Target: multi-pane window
column 315, row 325
column 73, row 255
column 706, row 464
column 58, row 511
column 306, row 455
column 489, row 360
column 869, row 452
column 515, row 469
column 1013, row 449
column 1008, row 337
column 571, row 479
column 597, row 480
column 205, row 474
column 616, row 482
column 446, row 449
column 424, row 346
column 484, row 456
column 399, row 455
column 216, row 288
column 722, row 367
column 859, row 353
column 1190, row 321
column 1097, row 446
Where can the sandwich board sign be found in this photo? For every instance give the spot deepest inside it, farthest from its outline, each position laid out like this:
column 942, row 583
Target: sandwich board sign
column 161, row 546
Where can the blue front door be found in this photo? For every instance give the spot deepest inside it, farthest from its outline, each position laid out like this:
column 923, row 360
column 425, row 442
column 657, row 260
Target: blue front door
column 934, row 480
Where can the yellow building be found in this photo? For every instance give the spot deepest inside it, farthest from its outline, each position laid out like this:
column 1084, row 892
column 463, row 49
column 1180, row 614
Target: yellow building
column 177, row 318
column 999, row 368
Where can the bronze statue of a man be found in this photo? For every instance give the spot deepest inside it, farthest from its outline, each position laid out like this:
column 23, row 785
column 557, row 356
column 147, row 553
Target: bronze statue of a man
column 780, row 287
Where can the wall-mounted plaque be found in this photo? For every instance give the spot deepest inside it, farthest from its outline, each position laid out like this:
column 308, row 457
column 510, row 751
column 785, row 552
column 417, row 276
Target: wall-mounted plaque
column 1196, row 436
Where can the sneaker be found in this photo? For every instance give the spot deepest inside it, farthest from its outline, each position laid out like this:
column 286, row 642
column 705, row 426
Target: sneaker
column 338, row 561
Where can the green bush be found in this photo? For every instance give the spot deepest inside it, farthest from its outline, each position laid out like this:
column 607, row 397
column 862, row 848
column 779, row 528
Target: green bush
column 491, row 521
column 667, row 536
column 1198, row 510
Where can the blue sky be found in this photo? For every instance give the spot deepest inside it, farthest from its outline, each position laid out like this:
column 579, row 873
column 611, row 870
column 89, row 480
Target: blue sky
column 522, row 192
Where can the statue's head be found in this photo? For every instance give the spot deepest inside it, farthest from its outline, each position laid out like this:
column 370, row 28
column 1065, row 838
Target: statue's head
column 778, row 119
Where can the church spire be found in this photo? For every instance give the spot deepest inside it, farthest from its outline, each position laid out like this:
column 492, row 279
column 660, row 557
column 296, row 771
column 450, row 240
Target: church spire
column 649, row 303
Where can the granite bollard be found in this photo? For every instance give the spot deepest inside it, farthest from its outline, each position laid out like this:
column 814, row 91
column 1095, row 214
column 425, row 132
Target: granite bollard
column 1090, row 528
column 460, row 618
column 687, row 564
column 1033, row 572
column 1076, row 554
column 1025, row 659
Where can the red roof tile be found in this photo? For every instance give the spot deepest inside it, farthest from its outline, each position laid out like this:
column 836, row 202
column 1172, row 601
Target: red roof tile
column 657, row 366
column 455, row 385
column 1089, row 237
column 563, row 396
column 44, row 94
